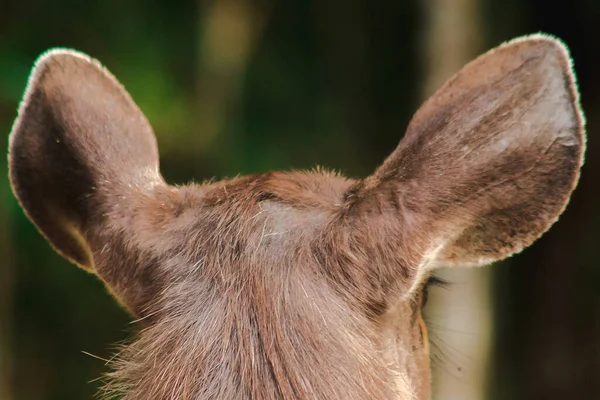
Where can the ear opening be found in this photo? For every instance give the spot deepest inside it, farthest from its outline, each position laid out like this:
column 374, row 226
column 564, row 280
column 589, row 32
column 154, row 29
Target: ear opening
column 487, row 165
column 83, row 160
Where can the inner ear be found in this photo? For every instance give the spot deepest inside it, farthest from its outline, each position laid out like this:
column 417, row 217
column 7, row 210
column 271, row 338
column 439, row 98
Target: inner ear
column 83, row 163
column 487, row 164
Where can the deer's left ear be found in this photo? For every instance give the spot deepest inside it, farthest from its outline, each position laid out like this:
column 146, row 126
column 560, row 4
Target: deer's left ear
column 487, row 165
column 84, row 166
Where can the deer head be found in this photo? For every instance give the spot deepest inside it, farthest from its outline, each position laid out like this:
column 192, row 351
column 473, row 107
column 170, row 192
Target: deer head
column 295, row 284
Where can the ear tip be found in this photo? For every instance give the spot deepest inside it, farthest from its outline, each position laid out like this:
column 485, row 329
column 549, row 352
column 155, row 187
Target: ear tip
column 541, row 39
column 53, row 61
column 555, row 47
column 550, row 45
column 61, row 58
column 39, row 74
column 59, row 70
column 60, row 52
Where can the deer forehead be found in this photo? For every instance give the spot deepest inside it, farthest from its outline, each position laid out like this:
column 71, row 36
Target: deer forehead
column 247, row 221
column 270, row 205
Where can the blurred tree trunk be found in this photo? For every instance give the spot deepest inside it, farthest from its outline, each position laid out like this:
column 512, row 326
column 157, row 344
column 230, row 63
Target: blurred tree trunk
column 460, row 324
column 230, row 31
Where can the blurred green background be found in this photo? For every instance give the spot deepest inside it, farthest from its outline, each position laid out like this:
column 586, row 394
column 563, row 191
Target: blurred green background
column 240, row 86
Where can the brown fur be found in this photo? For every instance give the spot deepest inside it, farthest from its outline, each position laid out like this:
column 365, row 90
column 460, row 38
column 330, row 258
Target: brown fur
column 302, row 284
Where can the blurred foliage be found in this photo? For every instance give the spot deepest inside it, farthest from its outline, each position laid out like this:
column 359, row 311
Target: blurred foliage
column 288, row 85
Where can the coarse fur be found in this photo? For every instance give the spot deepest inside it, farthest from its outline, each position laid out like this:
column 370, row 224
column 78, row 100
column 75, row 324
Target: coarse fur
column 295, row 285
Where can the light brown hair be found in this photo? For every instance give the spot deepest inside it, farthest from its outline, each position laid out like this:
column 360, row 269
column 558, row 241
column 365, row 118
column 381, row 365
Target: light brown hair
column 295, row 285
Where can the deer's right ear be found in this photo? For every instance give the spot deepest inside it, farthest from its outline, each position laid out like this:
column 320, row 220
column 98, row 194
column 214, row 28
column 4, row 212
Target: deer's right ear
column 487, row 165
column 84, row 166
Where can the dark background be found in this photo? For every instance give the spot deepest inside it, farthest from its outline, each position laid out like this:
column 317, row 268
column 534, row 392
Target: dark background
column 249, row 86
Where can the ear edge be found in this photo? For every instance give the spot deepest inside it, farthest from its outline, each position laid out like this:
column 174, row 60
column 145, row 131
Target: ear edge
column 562, row 53
column 550, row 46
column 36, row 76
column 71, row 243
